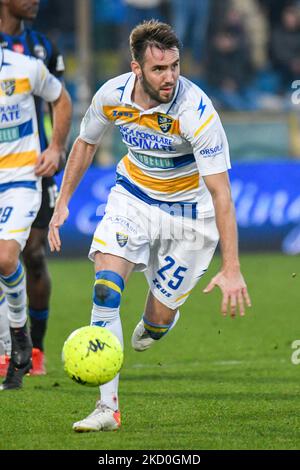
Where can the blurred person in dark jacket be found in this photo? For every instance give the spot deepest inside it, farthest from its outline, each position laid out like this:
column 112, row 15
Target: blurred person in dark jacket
column 229, row 67
column 285, row 47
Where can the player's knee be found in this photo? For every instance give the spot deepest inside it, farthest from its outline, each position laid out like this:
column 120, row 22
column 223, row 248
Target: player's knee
column 108, row 289
column 8, row 263
column 35, row 262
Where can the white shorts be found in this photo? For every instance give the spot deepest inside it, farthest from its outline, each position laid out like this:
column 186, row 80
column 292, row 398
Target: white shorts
column 174, row 252
column 18, row 209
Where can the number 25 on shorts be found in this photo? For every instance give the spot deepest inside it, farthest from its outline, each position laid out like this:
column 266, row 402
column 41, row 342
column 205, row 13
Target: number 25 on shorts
column 173, row 284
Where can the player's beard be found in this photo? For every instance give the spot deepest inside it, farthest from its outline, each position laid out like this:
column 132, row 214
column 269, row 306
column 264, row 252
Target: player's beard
column 154, row 94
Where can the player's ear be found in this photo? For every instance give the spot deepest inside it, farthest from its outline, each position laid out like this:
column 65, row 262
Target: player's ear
column 136, row 68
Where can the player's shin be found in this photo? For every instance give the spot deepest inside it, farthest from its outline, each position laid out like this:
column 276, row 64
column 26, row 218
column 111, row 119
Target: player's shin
column 14, row 287
column 5, row 340
column 106, row 306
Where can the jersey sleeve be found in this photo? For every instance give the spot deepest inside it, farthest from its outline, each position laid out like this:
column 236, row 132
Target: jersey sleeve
column 56, row 64
column 207, row 138
column 95, row 123
column 45, row 84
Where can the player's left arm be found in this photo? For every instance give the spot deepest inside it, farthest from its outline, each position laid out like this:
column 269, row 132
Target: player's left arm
column 49, row 160
column 51, row 90
column 203, row 129
column 230, row 279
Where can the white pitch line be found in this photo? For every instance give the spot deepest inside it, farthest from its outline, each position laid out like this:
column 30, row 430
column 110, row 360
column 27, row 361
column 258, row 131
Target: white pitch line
column 199, row 364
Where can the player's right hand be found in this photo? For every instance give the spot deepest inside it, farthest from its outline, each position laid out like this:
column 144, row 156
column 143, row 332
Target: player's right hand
column 59, row 217
column 234, row 291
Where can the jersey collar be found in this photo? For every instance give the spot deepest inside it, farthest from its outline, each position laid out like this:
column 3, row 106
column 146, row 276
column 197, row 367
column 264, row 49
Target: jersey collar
column 128, row 88
column 162, row 108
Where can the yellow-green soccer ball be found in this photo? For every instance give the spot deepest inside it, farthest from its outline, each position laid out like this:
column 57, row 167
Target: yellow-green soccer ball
column 92, row 355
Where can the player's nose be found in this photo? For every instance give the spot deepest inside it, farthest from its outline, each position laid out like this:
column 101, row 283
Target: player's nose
column 169, row 77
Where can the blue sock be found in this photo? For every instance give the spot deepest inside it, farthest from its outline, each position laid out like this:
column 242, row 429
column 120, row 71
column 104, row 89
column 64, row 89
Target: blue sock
column 38, row 326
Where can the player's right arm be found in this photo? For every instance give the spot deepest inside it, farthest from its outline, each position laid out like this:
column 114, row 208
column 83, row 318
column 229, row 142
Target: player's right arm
column 93, row 127
column 80, row 158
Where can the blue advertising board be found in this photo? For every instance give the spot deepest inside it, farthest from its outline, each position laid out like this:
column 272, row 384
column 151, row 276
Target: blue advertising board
column 266, row 196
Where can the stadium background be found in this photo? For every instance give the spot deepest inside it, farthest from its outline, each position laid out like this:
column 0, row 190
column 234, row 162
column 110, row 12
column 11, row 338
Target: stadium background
column 213, row 383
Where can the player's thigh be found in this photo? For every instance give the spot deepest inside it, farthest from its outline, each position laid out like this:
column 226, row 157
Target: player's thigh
column 36, row 243
column 178, row 263
column 121, row 238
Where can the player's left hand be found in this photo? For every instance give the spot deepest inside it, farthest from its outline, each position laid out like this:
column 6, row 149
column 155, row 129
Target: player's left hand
column 48, row 162
column 234, row 291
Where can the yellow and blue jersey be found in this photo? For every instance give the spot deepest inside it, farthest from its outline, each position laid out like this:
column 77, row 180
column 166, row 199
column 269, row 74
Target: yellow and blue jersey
column 21, row 78
column 170, row 147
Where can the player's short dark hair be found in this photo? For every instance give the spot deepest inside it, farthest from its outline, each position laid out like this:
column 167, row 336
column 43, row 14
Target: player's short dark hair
column 151, row 33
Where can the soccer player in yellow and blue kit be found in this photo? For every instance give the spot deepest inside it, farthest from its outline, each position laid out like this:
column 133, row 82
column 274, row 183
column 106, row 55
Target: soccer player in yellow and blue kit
column 22, row 78
column 170, row 204
column 18, row 37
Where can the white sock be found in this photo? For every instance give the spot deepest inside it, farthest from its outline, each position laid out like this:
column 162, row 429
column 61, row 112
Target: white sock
column 5, row 339
column 14, row 287
column 109, row 318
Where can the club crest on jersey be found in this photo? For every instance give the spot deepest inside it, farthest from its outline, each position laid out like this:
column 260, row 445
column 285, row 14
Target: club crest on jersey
column 8, row 87
column 122, row 239
column 164, row 123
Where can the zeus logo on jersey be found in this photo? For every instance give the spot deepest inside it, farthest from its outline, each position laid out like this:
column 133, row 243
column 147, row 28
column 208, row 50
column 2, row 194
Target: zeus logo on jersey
column 117, row 113
column 212, row 151
column 8, row 87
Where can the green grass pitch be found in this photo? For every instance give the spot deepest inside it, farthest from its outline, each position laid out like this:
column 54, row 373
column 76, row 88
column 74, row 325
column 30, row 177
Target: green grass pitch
column 212, row 383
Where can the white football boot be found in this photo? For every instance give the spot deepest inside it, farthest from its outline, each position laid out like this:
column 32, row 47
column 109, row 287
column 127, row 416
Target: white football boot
column 102, row 418
column 141, row 340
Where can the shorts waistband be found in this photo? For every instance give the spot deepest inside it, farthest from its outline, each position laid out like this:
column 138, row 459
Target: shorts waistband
column 182, row 209
column 17, row 184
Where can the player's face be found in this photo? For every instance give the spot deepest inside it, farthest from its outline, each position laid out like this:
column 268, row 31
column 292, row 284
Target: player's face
column 24, row 9
column 160, row 73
